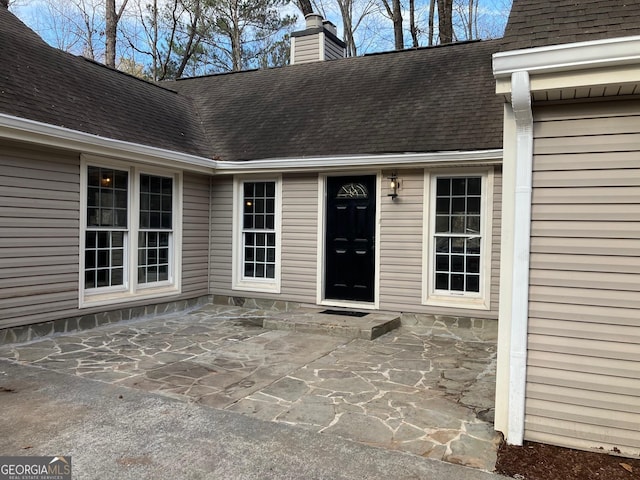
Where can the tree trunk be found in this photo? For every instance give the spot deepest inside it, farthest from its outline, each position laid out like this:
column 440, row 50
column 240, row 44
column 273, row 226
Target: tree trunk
column 305, row 6
column 112, row 17
column 445, row 21
column 412, row 23
column 110, row 30
column 432, row 14
column 398, row 34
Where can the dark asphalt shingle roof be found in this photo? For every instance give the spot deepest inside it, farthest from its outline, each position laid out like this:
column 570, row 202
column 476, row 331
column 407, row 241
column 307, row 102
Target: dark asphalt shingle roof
column 424, row 100
column 536, row 23
column 44, row 84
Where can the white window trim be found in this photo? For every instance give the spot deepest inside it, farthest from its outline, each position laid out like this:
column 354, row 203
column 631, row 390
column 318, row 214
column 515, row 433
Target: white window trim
column 131, row 291
column 267, row 285
column 475, row 301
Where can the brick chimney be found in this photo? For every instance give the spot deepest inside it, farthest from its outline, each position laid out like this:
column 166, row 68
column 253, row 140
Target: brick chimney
column 317, row 42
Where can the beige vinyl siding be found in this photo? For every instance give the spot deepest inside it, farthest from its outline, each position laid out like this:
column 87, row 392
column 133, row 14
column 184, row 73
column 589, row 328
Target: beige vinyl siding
column 331, row 50
column 307, row 49
column 195, row 235
column 299, row 237
column 39, row 222
column 222, row 236
column 583, row 381
column 401, row 244
column 39, row 236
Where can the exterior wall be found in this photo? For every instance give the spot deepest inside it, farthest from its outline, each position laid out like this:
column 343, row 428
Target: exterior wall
column 307, row 49
column 332, row 51
column 401, row 250
column 400, row 245
column 39, row 237
column 583, row 381
column 39, row 234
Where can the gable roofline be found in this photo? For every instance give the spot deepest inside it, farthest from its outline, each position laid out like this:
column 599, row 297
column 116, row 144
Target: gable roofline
column 31, row 131
column 566, row 57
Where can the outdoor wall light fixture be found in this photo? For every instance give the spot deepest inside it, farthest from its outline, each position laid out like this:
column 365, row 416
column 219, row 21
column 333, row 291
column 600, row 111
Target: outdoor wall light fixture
column 394, row 185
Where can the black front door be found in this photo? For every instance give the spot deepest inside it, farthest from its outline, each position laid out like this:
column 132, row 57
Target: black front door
column 350, row 238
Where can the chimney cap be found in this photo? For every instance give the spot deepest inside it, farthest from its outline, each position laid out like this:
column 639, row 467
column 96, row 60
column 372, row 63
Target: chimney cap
column 314, row 20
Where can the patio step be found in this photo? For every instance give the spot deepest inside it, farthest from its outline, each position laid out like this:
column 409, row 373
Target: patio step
column 334, row 322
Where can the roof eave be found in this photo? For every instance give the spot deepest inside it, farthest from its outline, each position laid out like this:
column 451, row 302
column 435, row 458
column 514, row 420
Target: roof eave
column 573, row 56
column 350, row 162
column 25, row 130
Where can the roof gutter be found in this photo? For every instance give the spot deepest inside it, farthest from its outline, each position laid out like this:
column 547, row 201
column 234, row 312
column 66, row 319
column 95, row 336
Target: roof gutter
column 337, row 163
column 574, row 56
column 21, row 129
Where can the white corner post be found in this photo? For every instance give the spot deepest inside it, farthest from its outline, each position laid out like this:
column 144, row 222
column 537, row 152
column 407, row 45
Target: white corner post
column 521, row 103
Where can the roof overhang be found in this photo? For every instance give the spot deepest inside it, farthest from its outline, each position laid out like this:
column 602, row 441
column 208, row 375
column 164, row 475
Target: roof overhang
column 29, row 131
column 21, row 129
column 350, row 162
column 578, row 70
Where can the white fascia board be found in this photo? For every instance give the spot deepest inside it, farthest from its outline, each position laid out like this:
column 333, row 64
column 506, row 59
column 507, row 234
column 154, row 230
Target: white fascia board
column 567, row 57
column 22, row 129
column 484, row 157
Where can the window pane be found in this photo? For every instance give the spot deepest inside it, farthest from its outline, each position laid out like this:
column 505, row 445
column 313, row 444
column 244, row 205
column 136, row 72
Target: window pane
column 163, row 273
column 443, row 187
column 103, row 258
column 458, row 186
column 457, row 245
column 473, row 264
column 442, row 263
column 442, row 281
column 457, row 224
column 473, row 246
column 473, row 224
column 473, row 283
column 457, row 282
column 102, row 278
column 164, row 239
column 473, row 205
column 458, row 205
column 442, row 224
column 117, row 276
column 442, row 245
column 270, row 189
column 167, row 186
column 457, row 263
column 90, row 259
column 443, row 206
column 90, row 279
column 271, row 271
column 474, row 186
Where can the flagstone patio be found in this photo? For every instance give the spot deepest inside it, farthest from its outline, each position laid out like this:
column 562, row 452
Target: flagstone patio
column 427, row 390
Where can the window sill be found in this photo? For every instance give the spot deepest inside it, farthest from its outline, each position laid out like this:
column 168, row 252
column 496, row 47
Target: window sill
column 113, row 298
column 270, row 287
column 455, row 301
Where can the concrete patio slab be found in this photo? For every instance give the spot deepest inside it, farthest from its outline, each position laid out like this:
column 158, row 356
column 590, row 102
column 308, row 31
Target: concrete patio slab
column 130, row 434
column 423, row 390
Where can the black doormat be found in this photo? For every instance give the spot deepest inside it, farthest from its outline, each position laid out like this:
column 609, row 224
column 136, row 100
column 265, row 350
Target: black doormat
column 345, row 313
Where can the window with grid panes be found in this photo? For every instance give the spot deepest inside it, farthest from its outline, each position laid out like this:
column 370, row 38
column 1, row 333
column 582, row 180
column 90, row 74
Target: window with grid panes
column 106, row 233
column 155, row 228
column 259, row 230
column 128, row 235
column 458, row 235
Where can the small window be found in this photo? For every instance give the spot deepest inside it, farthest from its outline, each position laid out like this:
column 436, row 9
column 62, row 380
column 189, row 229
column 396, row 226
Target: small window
column 457, row 250
column 258, row 210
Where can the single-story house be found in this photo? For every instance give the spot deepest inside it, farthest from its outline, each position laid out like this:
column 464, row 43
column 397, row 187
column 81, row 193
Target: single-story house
column 495, row 180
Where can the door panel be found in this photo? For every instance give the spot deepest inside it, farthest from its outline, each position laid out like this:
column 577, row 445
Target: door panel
column 350, row 238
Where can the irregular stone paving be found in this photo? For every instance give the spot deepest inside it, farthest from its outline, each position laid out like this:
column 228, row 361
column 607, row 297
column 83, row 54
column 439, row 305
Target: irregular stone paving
column 428, row 391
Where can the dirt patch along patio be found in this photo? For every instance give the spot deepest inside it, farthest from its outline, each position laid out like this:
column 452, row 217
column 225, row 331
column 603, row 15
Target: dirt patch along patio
column 424, row 390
